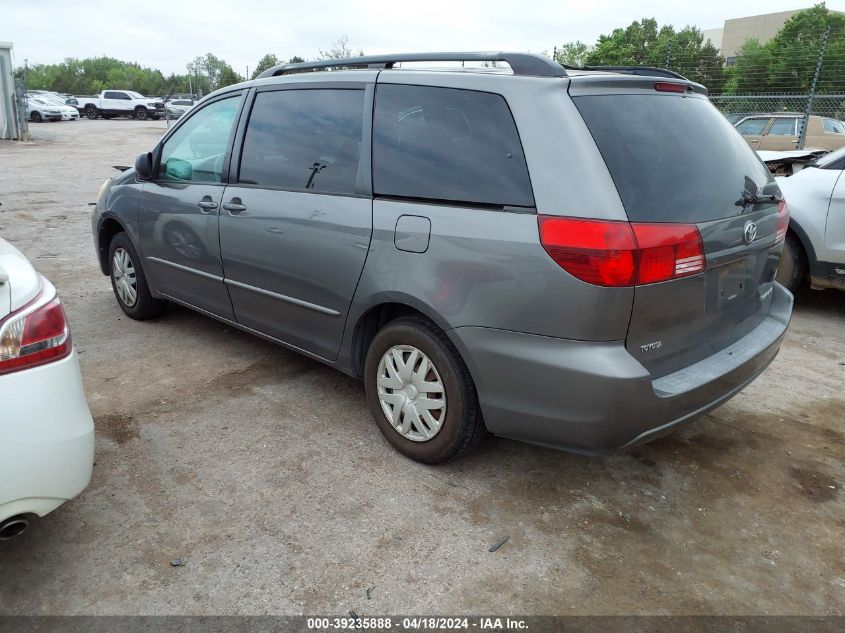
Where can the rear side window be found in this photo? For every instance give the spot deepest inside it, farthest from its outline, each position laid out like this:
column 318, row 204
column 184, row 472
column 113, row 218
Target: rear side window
column 446, row 144
column 304, row 139
column 783, row 127
column 832, row 126
column 673, row 159
column 752, row 127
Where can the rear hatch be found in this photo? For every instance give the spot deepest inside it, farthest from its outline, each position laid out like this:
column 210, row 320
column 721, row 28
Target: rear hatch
column 676, row 160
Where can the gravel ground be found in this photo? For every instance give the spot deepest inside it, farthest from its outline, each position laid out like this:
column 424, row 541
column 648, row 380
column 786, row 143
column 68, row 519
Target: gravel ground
column 264, row 473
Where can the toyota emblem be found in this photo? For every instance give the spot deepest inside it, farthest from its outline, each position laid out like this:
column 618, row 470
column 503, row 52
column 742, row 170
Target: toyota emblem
column 749, row 232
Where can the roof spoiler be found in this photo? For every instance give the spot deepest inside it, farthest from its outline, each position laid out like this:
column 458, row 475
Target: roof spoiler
column 645, row 71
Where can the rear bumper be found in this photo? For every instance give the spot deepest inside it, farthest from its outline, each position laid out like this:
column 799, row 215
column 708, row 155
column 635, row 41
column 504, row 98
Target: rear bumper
column 594, row 397
column 46, row 438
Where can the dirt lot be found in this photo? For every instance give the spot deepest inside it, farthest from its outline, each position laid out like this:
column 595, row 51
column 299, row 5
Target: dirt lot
column 264, row 472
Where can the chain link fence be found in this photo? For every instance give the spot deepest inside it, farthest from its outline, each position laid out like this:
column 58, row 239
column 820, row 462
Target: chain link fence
column 829, row 105
column 809, row 80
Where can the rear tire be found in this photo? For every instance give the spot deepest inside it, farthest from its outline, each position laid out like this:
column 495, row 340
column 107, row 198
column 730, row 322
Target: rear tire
column 91, row 112
column 435, row 373
column 129, row 282
column 35, row 117
column 792, row 269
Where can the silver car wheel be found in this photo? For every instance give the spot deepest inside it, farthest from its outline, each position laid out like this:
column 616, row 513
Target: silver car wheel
column 123, row 273
column 411, row 393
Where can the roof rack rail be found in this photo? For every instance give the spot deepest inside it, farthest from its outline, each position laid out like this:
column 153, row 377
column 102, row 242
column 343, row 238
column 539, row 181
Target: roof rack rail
column 645, row 71
column 520, row 63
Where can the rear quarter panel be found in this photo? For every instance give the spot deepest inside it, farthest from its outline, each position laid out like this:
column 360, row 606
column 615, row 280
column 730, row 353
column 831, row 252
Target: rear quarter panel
column 485, row 268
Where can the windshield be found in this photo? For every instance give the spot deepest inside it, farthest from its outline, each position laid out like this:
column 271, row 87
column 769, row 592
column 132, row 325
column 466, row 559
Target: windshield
column 135, row 95
column 673, row 159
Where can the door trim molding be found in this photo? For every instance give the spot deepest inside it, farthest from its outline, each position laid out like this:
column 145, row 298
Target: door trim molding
column 187, row 269
column 274, row 295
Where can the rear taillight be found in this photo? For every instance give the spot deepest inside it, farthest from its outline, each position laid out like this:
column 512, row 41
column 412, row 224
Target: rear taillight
column 34, row 335
column 783, row 222
column 608, row 253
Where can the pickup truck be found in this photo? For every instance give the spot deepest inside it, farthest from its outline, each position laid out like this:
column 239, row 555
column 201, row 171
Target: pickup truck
column 112, row 103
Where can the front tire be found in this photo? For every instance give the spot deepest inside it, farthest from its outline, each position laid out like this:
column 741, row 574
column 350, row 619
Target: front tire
column 141, row 114
column 129, row 281
column 420, row 392
column 792, row 269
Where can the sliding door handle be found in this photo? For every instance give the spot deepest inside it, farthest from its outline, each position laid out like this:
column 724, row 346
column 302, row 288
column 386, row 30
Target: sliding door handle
column 234, row 206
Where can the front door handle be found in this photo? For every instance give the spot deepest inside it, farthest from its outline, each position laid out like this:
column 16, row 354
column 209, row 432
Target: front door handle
column 234, row 206
column 207, row 205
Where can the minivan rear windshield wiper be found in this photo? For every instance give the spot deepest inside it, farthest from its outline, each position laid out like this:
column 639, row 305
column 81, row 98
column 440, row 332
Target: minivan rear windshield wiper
column 747, row 199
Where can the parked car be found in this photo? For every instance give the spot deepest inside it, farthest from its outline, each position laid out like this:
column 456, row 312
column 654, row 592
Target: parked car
column 815, row 241
column 736, row 117
column 68, row 112
column 782, row 131
column 46, row 430
column 64, row 99
column 38, row 111
column 112, row 103
column 177, row 107
column 40, row 108
column 417, row 229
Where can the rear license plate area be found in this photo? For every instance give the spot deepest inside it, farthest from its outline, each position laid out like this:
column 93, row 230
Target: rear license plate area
column 733, row 282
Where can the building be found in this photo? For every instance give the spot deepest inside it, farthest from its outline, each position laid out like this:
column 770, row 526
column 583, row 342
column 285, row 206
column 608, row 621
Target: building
column 730, row 38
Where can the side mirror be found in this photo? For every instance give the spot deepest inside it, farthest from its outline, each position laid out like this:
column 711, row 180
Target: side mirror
column 144, row 166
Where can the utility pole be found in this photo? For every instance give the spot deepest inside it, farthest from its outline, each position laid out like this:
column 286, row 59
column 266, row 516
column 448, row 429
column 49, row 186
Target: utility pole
column 802, row 138
column 668, row 55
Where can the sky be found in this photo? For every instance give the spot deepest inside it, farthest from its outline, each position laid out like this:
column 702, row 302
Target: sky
column 167, row 35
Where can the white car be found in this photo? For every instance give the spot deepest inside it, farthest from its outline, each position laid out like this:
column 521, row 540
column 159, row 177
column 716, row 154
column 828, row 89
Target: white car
column 177, row 107
column 815, row 241
column 46, row 430
column 41, row 108
column 69, row 112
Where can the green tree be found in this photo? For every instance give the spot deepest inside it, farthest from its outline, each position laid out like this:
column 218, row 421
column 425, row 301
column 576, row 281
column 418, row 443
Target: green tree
column 572, row 53
column 265, row 63
column 228, row 76
column 750, row 72
column 641, row 43
column 90, row 76
column 795, row 50
column 212, row 72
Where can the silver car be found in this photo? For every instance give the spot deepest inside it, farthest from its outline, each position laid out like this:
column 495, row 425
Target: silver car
column 815, row 241
column 580, row 259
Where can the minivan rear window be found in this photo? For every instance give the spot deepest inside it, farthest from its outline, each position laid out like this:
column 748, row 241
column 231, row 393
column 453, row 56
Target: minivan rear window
column 447, row 144
column 673, row 158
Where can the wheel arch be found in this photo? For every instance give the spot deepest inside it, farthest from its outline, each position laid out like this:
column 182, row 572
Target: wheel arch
column 109, row 227
column 815, row 270
column 810, row 252
column 377, row 316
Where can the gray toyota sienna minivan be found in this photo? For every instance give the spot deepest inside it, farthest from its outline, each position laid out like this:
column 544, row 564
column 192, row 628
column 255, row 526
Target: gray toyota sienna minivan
column 578, row 258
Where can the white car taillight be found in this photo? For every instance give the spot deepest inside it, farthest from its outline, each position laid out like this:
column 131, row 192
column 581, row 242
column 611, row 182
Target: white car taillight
column 34, row 335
